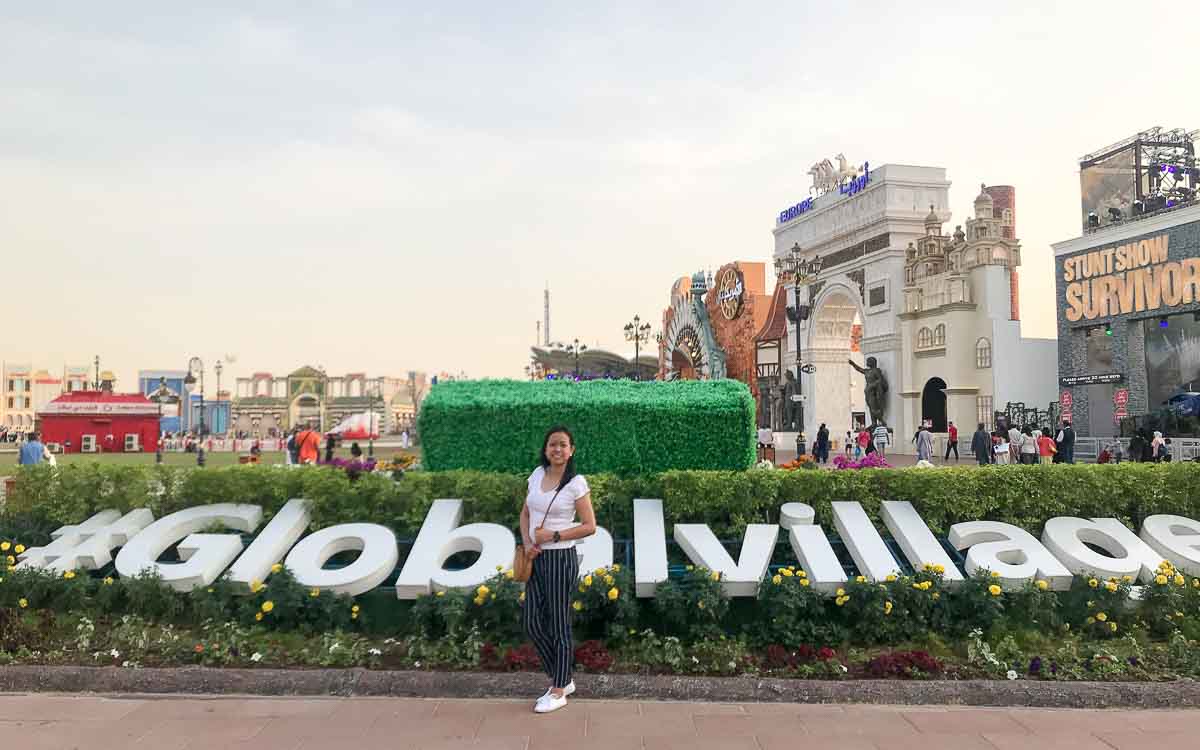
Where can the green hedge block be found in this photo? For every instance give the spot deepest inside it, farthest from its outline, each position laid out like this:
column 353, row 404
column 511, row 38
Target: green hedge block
column 620, row 426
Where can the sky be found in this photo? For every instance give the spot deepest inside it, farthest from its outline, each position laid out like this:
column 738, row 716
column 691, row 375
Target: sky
column 383, row 187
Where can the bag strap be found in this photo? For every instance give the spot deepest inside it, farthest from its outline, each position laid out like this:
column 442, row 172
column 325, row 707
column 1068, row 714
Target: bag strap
column 548, row 507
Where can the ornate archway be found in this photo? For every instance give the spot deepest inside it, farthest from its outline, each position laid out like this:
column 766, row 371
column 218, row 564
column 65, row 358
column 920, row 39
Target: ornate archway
column 933, row 404
column 835, row 389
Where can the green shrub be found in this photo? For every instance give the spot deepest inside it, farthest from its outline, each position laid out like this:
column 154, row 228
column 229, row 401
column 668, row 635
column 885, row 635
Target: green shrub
column 620, row 426
column 792, row 614
column 605, row 606
column 692, row 605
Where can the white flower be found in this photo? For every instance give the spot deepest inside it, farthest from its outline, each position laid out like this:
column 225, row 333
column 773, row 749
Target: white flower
column 695, row 660
column 417, row 664
column 256, row 657
column 115, row 654
column 1012, row 674
column 843, row 668
column 374, row 652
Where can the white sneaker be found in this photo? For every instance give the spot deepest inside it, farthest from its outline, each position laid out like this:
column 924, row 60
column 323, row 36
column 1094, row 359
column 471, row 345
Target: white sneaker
column 569, row 689
column 549, row 702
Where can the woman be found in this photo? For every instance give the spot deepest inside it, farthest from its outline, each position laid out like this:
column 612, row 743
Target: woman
column 1000, row 441
column 821, row 448
column 549, row 532
column 1046, row 447
column 330, row 444
column 864, row 440
column 1029, row 447
column 1156, row 447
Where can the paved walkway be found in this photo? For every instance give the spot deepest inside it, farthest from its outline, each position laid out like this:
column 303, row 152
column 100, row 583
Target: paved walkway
column 38, row 722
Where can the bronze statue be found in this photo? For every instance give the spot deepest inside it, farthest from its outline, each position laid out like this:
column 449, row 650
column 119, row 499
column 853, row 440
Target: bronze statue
column 776, row 415
column 791, row 408
column 875, row 388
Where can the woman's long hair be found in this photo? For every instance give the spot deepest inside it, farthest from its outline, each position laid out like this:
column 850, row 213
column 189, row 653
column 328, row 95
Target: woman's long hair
column 569, row 471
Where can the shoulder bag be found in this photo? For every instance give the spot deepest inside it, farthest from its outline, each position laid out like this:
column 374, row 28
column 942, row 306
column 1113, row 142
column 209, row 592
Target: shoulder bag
column 522, row 564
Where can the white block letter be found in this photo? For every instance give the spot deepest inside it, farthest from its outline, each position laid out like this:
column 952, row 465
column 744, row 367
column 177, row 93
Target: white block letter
column 1067, row 537
column 1176, row 539
column 90, row 544
column 866, row 546
column 205, row 556
column 272, row 543
column 649, row 546
column 439, row 538
column 915, row 538
column 742, row 578
column 816, row 557
column 595, row 551
column 376, row 561
column 1009, row 550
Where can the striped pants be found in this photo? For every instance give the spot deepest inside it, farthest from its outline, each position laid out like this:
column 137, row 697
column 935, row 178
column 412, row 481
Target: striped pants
column 547, row 613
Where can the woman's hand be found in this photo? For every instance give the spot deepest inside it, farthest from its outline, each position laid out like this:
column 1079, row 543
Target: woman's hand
column 531, row 550
column 542, row 536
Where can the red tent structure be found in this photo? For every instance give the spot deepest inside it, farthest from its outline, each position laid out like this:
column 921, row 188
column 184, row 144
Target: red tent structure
column 100, row 422
column 359, row 426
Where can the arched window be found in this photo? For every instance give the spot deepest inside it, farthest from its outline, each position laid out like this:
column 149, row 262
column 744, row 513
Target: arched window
column 924, row 338
column 939, row 335
column 983, row 353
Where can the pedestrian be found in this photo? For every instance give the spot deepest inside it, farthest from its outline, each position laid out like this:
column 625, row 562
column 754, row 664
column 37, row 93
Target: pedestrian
column 981, row 446
column 1029, row 447
column 289, row 449
column 330, row 444
column 1135, row 446
column 1014, row 444
column 555, row 494
column 1066, row 443
column 404, row 440
column 924, row 443
column 849, row 443
column 355, row 452
column 881, row 439
column 308, row 445
column 1000, row 447
column 951, row 442
column 32, row 451
column 864, row 442
column 1156, row 447
column 822, row 445
column 1046, row 447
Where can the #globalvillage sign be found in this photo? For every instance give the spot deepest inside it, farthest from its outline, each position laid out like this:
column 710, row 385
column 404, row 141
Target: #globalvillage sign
column 1068, row 546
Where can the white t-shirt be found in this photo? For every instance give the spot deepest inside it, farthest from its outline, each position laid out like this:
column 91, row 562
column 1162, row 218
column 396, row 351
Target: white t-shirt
column 562, row 512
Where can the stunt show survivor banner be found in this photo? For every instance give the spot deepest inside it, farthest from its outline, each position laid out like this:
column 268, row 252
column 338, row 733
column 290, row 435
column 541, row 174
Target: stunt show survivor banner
column 1065, row 548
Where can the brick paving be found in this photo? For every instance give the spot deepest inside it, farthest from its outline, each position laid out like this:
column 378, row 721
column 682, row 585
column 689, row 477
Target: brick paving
column 68, row 722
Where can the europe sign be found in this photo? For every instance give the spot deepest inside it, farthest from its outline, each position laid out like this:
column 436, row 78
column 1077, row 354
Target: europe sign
column 1068, row 546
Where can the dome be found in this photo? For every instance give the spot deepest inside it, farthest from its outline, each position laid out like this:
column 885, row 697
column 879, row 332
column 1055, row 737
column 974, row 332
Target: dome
column 932, row 219
column 983, row 203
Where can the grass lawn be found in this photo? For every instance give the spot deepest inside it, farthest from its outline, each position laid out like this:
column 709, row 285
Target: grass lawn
column 221, row 458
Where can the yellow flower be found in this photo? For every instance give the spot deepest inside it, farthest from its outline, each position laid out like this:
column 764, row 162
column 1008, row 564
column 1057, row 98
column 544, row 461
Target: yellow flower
column 1160, row 579
column 616, row 568
column 5, row 546
column 689, row 568
column 936, row 596
column 890, row 578
column 499, row 568
column 700, row 604
column 11, row 560
column 1179, row 614
column 268, row 605
column 841, row 600
column 354, row 609
column 598, row 571
column 995, row 574
column 441, row 593
column 608, row 580
column 258, row 616
column 613, row 594
column 1110, row 586
column 925, row 585
column 1196, row 583
column 994, row 590
column 492, row 597
column 927, row 567
column 277, row 568
column 776, row 579
column 860, row 579
column 69, row 574
column 1113, row 626
column 1091, row 620
column 787, row 572
column 508, row 574
column 209, row 590
column 1101, row 616
column 802, row 574
column 521, row 598
column 1093, row 583
column 587, row 580
column 255, row 587
column 478, row 601
column 108, row 581
column 841, row 592
column 23, row 603
column 314, row 592
column 887, row 608
column 917, row 586
column 482, row 591
column 577, row 606
column 1127, row 579
column 1178, row 580
column 353, row 615
column 716, row 576
column 939, row 568
column 803, row 581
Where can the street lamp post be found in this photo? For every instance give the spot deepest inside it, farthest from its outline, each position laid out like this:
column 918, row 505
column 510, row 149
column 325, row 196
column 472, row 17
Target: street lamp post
column 574, row 349
column 372, row 392
column 637, row 332
column 217, row 368
column 800, row 271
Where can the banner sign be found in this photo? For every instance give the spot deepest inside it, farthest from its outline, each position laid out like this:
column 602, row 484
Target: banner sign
column 1132, row 278
column 1101, row 547
column 1093, row 379
column 99, row 408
